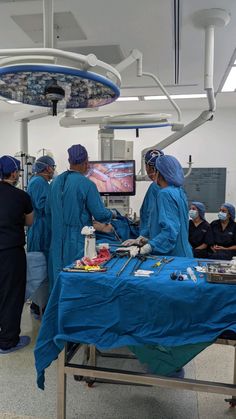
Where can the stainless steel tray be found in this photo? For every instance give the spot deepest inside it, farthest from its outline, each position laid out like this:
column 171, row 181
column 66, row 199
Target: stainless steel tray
column 219, row 273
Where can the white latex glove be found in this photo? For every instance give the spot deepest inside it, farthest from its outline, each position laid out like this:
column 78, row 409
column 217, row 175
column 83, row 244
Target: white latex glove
column 139, row 241
column 146, row 249
column 133, row 251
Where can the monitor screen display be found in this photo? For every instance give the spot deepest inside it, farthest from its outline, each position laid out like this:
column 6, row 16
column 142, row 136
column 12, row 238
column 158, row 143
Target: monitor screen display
column 113, row 177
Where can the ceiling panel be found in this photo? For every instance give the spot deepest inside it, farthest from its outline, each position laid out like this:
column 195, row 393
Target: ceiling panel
column 112, row 29
column 66, row 27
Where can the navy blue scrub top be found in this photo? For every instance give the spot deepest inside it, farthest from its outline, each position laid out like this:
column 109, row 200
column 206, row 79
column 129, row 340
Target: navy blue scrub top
column 202, row 234
column 225, row 237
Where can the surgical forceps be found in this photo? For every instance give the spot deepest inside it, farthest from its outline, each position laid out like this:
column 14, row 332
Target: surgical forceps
column 125, row 264
column 138, row 263
column 163, row 262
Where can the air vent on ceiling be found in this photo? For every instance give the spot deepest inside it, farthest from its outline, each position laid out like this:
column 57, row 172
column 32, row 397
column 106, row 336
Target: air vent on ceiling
column 65, row 25
column 111, row 54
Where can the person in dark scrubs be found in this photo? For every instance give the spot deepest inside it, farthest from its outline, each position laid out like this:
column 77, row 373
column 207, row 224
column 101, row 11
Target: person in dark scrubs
column 16, row 211
column 200, row 234
column 224, row 233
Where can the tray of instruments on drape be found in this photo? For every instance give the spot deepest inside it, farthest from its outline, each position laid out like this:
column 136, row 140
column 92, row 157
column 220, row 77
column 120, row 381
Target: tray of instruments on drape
column 84, row 268
column 221, row 272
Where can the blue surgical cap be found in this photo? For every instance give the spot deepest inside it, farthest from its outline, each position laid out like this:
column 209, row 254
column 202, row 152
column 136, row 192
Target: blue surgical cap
column 77, row 154
column 171, row 169
column 201, row 209
column 230, row 208
column 8, row 164
column 42, row 163
column 152, row 155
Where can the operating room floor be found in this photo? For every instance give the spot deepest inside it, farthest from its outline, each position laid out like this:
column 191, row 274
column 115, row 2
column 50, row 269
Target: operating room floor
column 20, row 398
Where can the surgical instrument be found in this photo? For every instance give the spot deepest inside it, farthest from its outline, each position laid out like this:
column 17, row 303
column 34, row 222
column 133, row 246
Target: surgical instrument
column 138, row 263
column 191, row 274
column 124, row 266
column 116, row 235
column 121, row 175
column 163, row 261
column 117, row 257
column 108, row 260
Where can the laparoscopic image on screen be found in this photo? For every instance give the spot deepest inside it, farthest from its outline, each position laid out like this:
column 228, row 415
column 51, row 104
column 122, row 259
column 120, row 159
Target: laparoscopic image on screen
column 113, row 177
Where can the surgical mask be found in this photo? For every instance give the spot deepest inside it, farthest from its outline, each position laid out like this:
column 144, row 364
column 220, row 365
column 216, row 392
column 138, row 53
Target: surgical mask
column 193, row 214
column 222, row 216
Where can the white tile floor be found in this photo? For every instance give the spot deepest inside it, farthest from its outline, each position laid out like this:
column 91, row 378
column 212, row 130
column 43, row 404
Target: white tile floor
column 20, row 398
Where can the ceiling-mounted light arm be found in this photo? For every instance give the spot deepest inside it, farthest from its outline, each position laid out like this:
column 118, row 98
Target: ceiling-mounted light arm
column 33, row 59
column 206, row 19
column 48, row 25
column 200, row 120
column 24, row 118
column 86, row 60
column 190, row 164
column 163, row 89
column 209, row 67
column 136, row 55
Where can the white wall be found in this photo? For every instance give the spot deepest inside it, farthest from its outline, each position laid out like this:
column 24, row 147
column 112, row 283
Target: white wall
column 211, row 145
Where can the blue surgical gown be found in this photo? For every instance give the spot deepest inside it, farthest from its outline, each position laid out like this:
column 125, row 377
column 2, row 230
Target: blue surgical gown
column 169, row 236
column 146, row 209
column 38, row 189
column 169, row 227
column 124, row 229
column 72, row 202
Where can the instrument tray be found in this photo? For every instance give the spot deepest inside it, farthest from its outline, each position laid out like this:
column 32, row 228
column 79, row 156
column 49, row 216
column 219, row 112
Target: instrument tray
column 221, row 273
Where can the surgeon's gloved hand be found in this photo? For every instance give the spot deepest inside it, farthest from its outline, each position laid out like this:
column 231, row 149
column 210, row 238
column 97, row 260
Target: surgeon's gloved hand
column 140, row 241
column 134, row 251
column 146, row 249
column 129, row 242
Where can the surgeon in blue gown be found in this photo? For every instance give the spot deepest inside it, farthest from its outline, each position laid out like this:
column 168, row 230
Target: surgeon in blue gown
column 38, row 189
column 37, row 236
column 73, row 202
column 169, row 236
column 152, row 193
column 120, row 229
column 149, row 201
column 169, row 227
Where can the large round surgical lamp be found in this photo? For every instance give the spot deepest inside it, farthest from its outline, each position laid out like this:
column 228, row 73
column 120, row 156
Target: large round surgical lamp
column 44, row 76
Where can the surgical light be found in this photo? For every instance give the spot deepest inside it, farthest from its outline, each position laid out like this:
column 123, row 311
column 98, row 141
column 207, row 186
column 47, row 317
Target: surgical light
column 54, row 93
column 26, row 73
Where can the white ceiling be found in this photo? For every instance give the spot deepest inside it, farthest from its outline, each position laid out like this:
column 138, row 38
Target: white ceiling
column 128, row 24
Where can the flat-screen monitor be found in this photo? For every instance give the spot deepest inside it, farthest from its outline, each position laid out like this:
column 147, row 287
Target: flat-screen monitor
column 113, row 177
